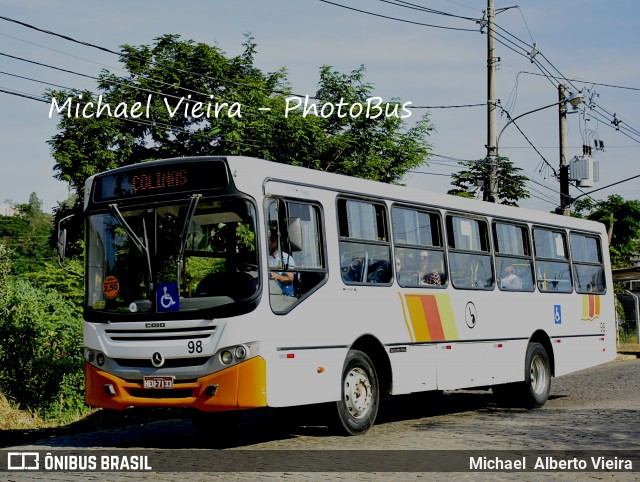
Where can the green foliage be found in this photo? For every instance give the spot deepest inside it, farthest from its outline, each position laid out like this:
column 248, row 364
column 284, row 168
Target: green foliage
column 622, row 220
column 40, row 346
column 511, row 184
column 27, row 235
column 70, row 287
column 381, row 148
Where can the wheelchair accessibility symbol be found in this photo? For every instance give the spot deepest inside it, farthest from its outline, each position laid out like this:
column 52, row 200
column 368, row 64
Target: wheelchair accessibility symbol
column 167, row 297
column 557, row 314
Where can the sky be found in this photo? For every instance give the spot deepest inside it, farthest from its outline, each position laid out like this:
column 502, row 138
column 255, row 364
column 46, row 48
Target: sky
column 591, row 44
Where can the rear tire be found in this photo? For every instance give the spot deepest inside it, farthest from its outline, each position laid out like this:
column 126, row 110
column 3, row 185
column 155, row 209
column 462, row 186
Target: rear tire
column 534, row 391
column 360, row 395
column 537, row 376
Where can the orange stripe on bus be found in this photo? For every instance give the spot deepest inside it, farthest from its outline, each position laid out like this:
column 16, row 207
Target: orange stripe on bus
column 432, row 315
column 592, row 306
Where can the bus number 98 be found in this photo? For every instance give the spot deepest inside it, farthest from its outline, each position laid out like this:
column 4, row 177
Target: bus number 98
column 194, row 347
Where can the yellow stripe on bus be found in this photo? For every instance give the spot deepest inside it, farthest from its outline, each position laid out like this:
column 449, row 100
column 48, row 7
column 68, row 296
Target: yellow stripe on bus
column 446, row 316
column 406, row 321
column 590, row 307
column 418, row 318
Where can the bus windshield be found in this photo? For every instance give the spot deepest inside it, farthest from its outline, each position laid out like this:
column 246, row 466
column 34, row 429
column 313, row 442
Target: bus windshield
column 196, row 254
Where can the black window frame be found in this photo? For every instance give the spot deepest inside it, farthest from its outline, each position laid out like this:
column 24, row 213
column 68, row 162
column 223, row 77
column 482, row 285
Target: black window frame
column 541, row 260
column 527, row 256
column 431, row 248
column 454, row 252
column 576, row 263
column 383, row 239
column 297, row 269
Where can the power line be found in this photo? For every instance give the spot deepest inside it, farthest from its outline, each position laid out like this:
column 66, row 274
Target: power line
column 121, row 54
column 399, row 19
column 49, row 32
column 587, row 82
column 445, row 106
column 420, row 8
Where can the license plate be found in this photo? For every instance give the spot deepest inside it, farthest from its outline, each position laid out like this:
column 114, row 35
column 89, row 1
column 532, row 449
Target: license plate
column 158, row 383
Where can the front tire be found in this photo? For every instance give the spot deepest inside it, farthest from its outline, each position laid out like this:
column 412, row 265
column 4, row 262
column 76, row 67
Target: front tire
column 360, row 395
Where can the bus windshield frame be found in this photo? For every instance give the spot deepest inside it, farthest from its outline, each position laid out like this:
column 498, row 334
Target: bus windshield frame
column 188, row 256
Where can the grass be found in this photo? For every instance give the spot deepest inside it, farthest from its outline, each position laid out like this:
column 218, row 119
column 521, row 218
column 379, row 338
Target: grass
column 18, row 426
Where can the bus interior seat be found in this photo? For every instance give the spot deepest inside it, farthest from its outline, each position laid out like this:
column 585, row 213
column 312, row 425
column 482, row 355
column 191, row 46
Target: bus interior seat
column 379, row 272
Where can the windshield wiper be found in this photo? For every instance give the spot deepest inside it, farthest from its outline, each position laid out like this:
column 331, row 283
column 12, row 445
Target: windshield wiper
column 193, row 204
column 143, row 246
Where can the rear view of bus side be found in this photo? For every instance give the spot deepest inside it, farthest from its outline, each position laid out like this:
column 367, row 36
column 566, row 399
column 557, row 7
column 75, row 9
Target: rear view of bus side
column 231, row 283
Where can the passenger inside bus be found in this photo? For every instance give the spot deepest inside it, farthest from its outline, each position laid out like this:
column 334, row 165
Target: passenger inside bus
column 510, row 280
column 429, row 273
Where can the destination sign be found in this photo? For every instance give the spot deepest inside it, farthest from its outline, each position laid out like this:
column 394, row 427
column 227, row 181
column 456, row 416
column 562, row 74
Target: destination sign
column 164, row 178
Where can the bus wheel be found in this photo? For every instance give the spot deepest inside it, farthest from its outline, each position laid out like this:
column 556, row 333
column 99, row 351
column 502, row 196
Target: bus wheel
column 534, row 391
column 537, row 377
column 358, row 405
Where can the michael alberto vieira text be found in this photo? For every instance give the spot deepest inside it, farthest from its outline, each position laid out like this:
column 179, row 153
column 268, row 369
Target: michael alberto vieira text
column 372, row 108
column 549, row 463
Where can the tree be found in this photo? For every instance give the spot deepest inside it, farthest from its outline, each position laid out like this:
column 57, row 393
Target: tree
column 40, row 345
column 27, row 234
column 622, row 220
column 511, row 184
column 176, row 74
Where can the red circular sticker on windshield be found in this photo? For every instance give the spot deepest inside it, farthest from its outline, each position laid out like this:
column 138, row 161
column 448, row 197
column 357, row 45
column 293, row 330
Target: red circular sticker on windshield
column 111, row 287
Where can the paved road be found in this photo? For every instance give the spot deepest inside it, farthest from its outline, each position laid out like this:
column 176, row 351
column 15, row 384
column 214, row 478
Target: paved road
column 596, row 409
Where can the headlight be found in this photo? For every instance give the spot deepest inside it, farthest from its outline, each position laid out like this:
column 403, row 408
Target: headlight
column 100, row 359
column 241, row 352
column 90, row 356
column 226, row 357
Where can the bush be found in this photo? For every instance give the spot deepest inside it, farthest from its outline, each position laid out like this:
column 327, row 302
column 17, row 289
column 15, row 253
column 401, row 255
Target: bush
column 41, row 358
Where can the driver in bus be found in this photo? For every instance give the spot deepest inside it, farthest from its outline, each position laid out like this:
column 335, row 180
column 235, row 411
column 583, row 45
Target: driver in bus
column 284, row 279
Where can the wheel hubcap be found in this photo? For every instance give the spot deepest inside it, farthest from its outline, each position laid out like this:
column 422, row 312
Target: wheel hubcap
column 357, row 392
column 538, row 375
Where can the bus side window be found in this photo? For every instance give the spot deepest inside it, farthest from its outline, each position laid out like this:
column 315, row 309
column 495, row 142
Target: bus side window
column 419, row 250
column 295, row 244
column 513, row 257
column 365, row 250
column 469, row 253
column 588, row 270
column 553, row 271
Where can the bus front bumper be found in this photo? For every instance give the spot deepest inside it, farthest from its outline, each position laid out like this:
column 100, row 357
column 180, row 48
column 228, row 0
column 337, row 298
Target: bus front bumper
column 238, row 387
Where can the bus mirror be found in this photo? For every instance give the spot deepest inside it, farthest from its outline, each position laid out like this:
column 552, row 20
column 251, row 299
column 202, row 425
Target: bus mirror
column 62, row 245
column 62, row 240
column 294, row 229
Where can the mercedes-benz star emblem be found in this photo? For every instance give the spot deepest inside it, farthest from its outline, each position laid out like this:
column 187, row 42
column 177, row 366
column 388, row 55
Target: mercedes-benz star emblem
column 157, row 360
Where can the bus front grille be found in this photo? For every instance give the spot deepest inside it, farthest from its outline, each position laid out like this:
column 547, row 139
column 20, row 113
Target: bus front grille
column 168, row 393
column 161, row 334
column 168, row 363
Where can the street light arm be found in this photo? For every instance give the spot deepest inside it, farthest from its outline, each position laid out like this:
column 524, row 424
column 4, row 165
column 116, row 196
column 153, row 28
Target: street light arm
column 513, row 119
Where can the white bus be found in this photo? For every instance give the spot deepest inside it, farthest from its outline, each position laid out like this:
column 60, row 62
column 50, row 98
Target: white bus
column 232, row 283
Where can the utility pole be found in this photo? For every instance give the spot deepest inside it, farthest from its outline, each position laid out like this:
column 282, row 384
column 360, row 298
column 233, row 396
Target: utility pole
column 491, row 191
column 565, row 200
